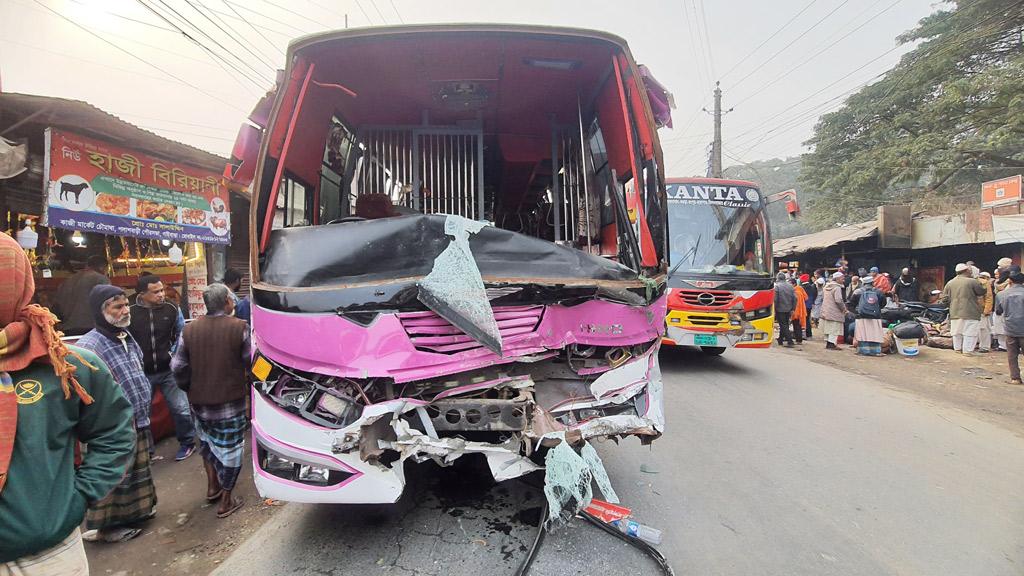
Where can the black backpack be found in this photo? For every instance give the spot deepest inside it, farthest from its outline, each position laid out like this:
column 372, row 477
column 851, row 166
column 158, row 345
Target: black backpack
column 870, row 305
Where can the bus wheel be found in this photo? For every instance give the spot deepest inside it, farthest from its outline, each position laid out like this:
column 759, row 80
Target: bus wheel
column 712, row 350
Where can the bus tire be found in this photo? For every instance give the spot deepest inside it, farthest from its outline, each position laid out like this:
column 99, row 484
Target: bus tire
column 712, row 350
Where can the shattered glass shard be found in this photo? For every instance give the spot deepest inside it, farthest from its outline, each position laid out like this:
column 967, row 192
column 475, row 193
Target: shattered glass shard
column 599, row 473
column 454, row 289
column 566, row 483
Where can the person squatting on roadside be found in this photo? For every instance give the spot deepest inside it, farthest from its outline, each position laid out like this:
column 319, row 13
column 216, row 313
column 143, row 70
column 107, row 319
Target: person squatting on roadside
column 785, row 303
column 962, row 295
column 156, row 325
column 210, row 364
column 988, row 303
column 1010, row 304
column 134, row 499
column 867, row 304
column 51, row 396
column 833, row 311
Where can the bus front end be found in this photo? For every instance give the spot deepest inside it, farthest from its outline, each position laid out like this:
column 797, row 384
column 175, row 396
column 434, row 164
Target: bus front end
column 444, row 265
column 720, row 287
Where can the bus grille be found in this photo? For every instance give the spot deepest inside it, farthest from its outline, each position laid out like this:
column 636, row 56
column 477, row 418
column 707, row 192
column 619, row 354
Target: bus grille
column 706, row 298
column 432, row 333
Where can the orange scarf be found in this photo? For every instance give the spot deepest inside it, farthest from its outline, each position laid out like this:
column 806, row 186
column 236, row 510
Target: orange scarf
column 27, row 335
column 800, row 312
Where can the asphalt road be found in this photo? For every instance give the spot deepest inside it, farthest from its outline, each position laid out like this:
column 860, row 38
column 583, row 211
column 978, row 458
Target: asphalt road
column 771, row 465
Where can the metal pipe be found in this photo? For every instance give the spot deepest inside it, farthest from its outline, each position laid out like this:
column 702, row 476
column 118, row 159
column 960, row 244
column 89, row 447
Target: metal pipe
column 480, row 173
column 583, row 169
column 556, row 194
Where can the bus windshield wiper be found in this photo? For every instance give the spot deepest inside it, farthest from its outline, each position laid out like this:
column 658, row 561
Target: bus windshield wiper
column 693, row 258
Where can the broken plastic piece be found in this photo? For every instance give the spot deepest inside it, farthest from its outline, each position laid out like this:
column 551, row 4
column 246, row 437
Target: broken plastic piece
column 606, row 511
column 454, row 289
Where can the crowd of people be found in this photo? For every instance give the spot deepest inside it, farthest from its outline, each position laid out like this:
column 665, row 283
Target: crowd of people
column 986, row 310
column 98, row 393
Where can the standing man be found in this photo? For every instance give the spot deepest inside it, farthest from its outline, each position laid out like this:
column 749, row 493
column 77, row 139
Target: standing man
column 210, row 363
column 867, row 304
column 811, row 290
column 72, row 302
column 906, row 288
column 785, row 303
column 156, row 325
column 1010, row 304
column 988, row 303
column 833, row 311
column 51, row 397
column 233, row 280
column 962, row 295
column 134, row 499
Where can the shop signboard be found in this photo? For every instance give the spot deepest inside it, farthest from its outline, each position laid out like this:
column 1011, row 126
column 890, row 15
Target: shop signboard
column 1002, row 191
column 95, row 186
column 195, row 284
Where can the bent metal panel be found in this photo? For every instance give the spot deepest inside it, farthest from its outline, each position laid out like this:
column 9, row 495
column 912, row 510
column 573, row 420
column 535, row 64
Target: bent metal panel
column 95, row 186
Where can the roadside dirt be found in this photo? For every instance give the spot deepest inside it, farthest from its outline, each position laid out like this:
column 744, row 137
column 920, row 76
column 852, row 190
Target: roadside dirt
column 978, row 384
column 185, row 537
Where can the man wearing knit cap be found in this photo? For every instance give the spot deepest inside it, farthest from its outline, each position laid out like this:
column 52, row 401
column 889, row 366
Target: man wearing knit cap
column 134, row 499
column 51, row 396
column 961, row 295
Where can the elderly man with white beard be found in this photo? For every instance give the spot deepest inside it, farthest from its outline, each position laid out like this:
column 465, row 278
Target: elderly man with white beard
column 115, row 517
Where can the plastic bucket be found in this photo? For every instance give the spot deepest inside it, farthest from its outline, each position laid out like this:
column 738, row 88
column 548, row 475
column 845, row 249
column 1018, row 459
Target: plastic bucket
column 907, row 346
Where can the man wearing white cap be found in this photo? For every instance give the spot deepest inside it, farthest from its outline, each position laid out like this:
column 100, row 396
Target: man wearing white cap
column 833, row 311
column 961, row 295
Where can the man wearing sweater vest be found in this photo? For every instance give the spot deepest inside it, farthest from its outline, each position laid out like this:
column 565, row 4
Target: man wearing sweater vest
column 210, row 364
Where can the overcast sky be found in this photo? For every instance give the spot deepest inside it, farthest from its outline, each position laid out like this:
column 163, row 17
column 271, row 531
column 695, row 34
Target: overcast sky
column 814, row 52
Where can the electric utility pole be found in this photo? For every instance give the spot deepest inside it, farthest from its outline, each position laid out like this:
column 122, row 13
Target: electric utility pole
column 716, row 145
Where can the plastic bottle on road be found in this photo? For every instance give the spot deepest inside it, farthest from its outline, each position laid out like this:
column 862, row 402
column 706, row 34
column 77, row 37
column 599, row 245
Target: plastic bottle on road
column 637, row 530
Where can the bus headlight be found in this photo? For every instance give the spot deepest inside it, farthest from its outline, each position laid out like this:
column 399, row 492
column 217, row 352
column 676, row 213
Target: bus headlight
column 757, row 314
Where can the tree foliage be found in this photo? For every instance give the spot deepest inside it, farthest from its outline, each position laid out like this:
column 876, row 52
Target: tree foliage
column 949, row 116
column 775, row 175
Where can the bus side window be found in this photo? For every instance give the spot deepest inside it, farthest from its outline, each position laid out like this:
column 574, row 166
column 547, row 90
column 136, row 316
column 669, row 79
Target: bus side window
column 294, row 204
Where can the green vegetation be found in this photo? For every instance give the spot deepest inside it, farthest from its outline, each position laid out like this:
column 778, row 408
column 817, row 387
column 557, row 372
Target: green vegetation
column 949, row 116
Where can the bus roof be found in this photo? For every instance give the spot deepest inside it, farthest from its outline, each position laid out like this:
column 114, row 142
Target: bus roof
column 552, row 32
column 713, row 181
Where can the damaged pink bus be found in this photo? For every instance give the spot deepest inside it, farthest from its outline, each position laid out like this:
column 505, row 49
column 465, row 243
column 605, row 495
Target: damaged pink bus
column 458, row 239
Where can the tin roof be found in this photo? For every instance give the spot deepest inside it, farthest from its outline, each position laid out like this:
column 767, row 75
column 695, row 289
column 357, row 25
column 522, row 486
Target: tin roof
column 88, row 120
column 824, row 239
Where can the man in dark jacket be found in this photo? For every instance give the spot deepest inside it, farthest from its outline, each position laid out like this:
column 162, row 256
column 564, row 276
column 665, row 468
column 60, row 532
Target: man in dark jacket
column 156, row 325
column 72, row 302
column 785, row 302
column 906, row 288
column 211, row 362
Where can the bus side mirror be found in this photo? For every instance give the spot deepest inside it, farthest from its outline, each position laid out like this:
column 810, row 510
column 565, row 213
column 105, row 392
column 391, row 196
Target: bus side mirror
column 792, row 208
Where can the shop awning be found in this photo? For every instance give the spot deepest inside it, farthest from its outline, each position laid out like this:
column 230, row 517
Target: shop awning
column 824, row 239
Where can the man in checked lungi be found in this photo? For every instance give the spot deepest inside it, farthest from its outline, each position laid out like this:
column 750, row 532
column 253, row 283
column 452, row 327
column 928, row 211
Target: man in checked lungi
column 210, row 365
column 115, row 517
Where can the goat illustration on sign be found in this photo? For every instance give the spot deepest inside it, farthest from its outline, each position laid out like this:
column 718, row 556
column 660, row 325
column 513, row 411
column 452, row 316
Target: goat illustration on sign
column 67, row 189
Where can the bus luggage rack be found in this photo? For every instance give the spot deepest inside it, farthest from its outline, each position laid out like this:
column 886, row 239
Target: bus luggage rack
column 432, row 333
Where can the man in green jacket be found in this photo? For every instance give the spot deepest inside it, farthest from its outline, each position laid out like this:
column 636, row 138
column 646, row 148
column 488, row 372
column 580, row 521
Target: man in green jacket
column 50, row 397
column 961, row 294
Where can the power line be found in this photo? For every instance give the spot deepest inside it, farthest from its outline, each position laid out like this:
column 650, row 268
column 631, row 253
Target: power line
column 707, row 38
column 232, row 35
column 379, row 13
column 697, row 41
column 761, row 88
column 793, row 41
column 365, row 15
column 188, row 22
column 139, row 58
column 294, row 13
column 344, row 17
column 265, row 17
column 768, row 39
column 397, row 13
column 251, row 25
